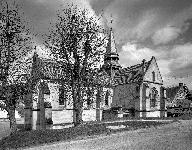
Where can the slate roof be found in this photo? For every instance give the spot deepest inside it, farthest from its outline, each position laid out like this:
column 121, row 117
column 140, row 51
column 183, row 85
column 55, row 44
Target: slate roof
column 172, row 92
column 49, row 69
column 132, row 74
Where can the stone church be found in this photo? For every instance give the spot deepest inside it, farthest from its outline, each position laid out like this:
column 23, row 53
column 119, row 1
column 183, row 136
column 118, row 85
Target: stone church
column 138, row 87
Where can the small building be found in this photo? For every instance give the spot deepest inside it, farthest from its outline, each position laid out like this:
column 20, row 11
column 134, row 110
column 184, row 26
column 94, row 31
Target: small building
column 138, row 87
column 177, row 96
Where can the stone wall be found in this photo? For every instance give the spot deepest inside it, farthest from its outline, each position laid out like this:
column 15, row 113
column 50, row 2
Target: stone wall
column 145, row 101
column 3, row 114
column 62, row 116
column 146, row 90
column 153, row 67
column 126, row 96
column 153, row 114
column 66, row 116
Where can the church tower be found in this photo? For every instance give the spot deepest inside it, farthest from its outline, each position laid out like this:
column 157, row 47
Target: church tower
column 111, row 57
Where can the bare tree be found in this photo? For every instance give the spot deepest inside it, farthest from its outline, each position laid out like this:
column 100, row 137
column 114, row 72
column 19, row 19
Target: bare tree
column 14, row 43
column 78, row 40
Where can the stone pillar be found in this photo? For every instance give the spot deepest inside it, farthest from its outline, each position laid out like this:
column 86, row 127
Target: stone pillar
column 28, row 112
column 162, row 102
column 28, row 118
column 41, row 113
column 144, row 101
column 98, row 105
column 36, row 118
column 48, row 114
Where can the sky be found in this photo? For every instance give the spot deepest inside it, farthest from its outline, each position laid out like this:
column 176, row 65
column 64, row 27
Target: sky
column 142, row 29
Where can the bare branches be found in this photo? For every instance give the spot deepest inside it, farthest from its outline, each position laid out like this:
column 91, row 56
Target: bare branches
column 79, row 39
column 15, row 42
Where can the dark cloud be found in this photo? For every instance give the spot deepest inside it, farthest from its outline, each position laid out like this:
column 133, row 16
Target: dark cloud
column 187, row 35
column 139, row 19
column 158, row 27
column 183, row 71
column 135, row 21
column 100, row 5
column 40, row 14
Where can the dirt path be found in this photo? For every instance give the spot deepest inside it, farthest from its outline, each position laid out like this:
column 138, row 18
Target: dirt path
column 177, row 135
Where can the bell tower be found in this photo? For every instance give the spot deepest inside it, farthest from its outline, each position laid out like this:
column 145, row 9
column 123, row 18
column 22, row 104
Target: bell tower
column 111, row 57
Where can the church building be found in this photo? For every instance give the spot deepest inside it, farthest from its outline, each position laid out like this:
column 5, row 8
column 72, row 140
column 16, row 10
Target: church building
column 138, row 87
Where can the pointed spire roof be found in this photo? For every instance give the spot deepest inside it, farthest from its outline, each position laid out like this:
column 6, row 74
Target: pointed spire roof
column 111, row 56
column 111, row 47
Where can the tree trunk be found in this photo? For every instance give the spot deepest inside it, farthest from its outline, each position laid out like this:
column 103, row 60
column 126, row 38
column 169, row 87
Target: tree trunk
column 78, row 116
column 78, row 111
column 12, row 119
column 77, row 106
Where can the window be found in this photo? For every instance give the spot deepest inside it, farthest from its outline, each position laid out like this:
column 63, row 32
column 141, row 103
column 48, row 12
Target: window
column 89, row 102
column 153, row 76
column 107, row 98
column 137, row 88
column 164, row 93
column 62, row 97
column 153, row 97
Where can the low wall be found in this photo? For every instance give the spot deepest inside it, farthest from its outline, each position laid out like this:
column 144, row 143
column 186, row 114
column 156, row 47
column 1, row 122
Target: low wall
column 66, row 116
column 3, row 114
column 89, row 115
column 62, row 116
column 108, row 114
column 153, row 114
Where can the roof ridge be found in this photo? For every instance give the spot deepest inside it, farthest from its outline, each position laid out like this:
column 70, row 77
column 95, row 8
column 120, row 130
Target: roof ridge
column 138, row 65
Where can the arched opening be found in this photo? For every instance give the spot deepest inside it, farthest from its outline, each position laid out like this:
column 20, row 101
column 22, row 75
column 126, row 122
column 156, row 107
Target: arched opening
column 153, row 97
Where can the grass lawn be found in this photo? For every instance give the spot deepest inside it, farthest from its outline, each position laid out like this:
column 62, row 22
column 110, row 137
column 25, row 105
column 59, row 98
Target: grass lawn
column 33, row 138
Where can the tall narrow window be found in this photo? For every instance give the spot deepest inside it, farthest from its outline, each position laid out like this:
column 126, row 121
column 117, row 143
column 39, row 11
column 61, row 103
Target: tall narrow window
column 153, row 76
column 107, row 98
column 62, row 96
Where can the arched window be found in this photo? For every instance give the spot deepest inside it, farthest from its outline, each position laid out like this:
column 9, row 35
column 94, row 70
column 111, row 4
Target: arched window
column 153, row 97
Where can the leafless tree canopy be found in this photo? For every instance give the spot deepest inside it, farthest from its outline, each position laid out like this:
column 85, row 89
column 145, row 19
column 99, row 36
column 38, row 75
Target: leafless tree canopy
column 78, row 39
column 15, row 42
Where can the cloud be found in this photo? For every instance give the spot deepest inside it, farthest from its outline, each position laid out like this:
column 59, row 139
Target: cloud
column 141, row 19
column 132, row 54
column 165, row 35
column 181, row 64
column 136, row 22
column 175, row 65
column 145, row 28
column 42, row 14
